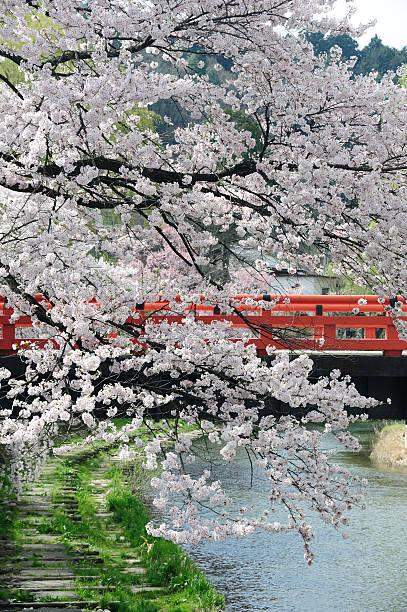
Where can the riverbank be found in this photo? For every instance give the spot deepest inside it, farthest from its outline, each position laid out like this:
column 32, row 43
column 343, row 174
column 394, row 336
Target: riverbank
column 87, row 516
column 389, row 446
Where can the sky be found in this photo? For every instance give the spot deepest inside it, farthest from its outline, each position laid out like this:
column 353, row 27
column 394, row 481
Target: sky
column 391, row 16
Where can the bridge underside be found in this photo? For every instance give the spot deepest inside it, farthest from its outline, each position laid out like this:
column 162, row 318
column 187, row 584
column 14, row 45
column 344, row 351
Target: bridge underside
column 374, row 376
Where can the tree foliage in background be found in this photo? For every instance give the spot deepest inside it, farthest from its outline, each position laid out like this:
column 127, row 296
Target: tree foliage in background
column 374, row 57
column 292, row 153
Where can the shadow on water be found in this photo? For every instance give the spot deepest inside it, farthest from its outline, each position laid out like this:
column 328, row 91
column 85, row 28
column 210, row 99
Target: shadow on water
column 362, row 574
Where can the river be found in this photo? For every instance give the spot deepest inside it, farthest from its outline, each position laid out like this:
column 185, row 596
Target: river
column 365, row 573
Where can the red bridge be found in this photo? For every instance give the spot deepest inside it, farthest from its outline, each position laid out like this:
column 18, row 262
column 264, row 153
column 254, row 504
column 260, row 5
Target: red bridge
column 295, row 322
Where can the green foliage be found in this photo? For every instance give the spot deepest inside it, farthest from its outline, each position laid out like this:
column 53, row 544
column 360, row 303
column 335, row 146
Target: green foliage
column 323, row 44
column 214, row 76
column 193, row 60
column 11, row 72
column 147, row 606
column 393, row 426
column 247, row 123
column 16, row 595
column 9, row 512
column 374, row 57
column 147, row 120
column 110, row 217
column 350, row 287
column 403, row 80
column 131, row 513
column 348, row 284
column 166, row 564
column 199, row 586
column 36, row 21
column 86, row 505
column 380, row 58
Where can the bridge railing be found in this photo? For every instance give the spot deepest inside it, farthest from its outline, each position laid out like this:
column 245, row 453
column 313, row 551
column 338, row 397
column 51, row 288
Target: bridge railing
column 295, row 322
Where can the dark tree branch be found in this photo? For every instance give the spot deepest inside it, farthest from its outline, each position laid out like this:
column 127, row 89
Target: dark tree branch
column 10, row 84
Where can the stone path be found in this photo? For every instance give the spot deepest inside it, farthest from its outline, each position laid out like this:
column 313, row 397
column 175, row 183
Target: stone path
column 39, row 568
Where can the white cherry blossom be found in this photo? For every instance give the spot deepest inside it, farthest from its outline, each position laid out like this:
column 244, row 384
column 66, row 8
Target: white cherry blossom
column 324, row 179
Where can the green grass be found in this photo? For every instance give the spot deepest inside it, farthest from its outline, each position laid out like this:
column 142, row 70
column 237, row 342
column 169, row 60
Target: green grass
column 8, row 511
column 184, row 587
column 16, row 595
column 166, row 564
column 146, row 606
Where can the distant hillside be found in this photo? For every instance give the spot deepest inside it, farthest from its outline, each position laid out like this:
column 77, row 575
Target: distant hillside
column 374, row 57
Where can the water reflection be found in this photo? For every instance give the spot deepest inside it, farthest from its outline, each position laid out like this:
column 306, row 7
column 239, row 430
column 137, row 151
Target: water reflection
column 362, row 574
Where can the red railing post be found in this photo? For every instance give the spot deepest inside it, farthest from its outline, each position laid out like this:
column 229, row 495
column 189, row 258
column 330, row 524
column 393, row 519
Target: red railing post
column 318, row 332
column 8, row 337
column 329, row 333
column 370, row 333
column 391, row 334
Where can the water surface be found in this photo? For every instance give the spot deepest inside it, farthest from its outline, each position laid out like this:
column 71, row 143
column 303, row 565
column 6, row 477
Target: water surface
column 366, row 573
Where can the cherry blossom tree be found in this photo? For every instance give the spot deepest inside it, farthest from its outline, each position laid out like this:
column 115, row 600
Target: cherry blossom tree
column 326, row 178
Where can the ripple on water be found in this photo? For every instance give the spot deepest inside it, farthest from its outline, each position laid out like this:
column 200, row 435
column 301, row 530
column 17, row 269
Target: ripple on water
column 362, row 574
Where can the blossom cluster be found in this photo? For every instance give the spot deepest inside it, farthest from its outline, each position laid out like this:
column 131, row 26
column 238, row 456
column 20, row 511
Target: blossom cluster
column 319, row 174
